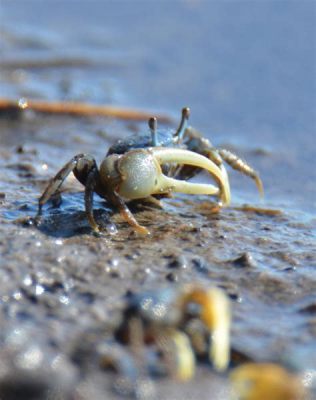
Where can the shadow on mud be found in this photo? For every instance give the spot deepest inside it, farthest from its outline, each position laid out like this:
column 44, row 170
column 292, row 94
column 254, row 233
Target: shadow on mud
column 64, row 218
column 68, row 224
column 63, row 224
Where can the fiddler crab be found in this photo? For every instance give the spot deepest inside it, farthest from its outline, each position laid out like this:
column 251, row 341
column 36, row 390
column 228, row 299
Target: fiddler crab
column 150, row 166
column 169, row 328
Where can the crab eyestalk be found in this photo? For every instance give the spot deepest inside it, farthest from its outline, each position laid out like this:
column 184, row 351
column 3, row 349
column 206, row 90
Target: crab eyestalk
column 152, row 123
column 183, row 124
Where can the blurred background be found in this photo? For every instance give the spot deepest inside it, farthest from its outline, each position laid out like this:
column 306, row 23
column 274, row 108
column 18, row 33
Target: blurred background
column 246, row 69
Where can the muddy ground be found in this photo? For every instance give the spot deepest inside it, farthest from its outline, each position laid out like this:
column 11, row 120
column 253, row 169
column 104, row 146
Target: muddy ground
column 60, row 285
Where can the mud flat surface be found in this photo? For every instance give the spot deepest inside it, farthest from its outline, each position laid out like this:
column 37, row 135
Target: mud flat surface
column 247, row 72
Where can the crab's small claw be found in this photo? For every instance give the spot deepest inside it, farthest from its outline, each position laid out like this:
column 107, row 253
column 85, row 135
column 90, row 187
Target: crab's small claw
column 138, row 174
column 184, row 369
column 215, row 314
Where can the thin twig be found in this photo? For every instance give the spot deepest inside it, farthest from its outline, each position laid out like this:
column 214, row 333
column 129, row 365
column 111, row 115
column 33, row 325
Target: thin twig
column 258, row 210
column 78, row 109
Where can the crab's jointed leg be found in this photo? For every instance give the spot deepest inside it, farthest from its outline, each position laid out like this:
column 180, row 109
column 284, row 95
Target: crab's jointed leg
column 91, row 182
column 81, row 165
column 127, row 215
column 199, row 144
column 239, row 165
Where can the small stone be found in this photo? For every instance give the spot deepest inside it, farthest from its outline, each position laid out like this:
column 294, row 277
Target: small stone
column 290, row 269
column 235, row 297
column 172, row 277
column 178, row 262
column 245, row 260
column 309, row 309
column 200, row 265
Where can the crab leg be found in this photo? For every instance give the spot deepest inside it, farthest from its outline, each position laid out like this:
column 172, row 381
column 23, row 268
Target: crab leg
column 88, row 198
column 81, row 165
column 127, row 215
column 239, row 165
column 181, row 156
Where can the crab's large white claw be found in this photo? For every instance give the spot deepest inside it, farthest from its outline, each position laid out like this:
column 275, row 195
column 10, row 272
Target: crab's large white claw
column 181, row 156
column 141, row 174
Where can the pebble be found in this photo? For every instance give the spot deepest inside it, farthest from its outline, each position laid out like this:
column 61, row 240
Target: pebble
column 245, row 260
column 178, row 262
column 172, row 277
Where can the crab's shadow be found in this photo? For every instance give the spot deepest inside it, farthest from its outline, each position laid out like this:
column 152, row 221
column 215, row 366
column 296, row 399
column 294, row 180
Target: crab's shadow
column 66, row 224
column 66, row 218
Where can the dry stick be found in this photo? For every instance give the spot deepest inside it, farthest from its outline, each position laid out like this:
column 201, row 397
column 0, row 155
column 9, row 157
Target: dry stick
column 258, row 210
column 78, row 109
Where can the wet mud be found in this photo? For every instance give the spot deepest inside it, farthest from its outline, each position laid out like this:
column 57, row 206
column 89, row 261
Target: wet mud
column 60, row 282
column 62, row 289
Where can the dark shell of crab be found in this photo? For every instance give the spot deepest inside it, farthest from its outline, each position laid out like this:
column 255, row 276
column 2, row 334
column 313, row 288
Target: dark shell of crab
column 165, row 138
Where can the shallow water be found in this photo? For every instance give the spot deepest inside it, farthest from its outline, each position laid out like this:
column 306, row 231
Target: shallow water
column 246, row 69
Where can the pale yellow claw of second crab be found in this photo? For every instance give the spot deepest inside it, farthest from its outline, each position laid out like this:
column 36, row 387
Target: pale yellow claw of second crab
column 216, row 315
column 186, row 360
column 219, row 313
column 178, row 342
